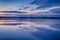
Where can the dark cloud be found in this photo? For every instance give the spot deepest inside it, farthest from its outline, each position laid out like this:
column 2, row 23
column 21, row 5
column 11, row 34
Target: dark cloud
column 23, row 8
column 12, row 12
column 46, row 3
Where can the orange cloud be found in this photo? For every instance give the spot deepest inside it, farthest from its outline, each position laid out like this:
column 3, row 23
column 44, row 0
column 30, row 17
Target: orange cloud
column 6, row 14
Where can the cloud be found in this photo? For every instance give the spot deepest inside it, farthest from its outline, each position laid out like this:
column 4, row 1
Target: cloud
column 46, row 3
column 28, row 11
column 52, row 10
column 12, row 12
column 57, row 10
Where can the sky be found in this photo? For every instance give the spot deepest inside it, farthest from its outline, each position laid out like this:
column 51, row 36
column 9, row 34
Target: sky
column 30, row 7
column 13, row 4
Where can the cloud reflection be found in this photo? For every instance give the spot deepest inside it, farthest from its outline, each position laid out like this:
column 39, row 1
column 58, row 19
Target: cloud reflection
column 30, row 25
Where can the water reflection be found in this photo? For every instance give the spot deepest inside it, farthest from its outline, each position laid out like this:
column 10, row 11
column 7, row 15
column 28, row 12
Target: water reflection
column 28, row 29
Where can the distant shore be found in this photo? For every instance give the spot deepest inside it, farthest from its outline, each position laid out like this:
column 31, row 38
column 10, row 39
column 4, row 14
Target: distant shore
column 29, row 17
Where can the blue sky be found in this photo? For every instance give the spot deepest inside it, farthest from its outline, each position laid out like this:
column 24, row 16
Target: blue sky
column 12, row 4
column 31, row 7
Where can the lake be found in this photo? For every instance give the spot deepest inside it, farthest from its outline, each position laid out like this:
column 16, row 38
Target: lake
column 29, row 29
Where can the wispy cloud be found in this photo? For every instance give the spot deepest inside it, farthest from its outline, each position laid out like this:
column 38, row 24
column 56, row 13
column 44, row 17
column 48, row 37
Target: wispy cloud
column 12, row 12
column 45, row 10
column 46, row 3
column 35, row 7
column 29, row 11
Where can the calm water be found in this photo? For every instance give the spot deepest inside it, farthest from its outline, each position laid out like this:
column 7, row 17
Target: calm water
column 30, row 29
